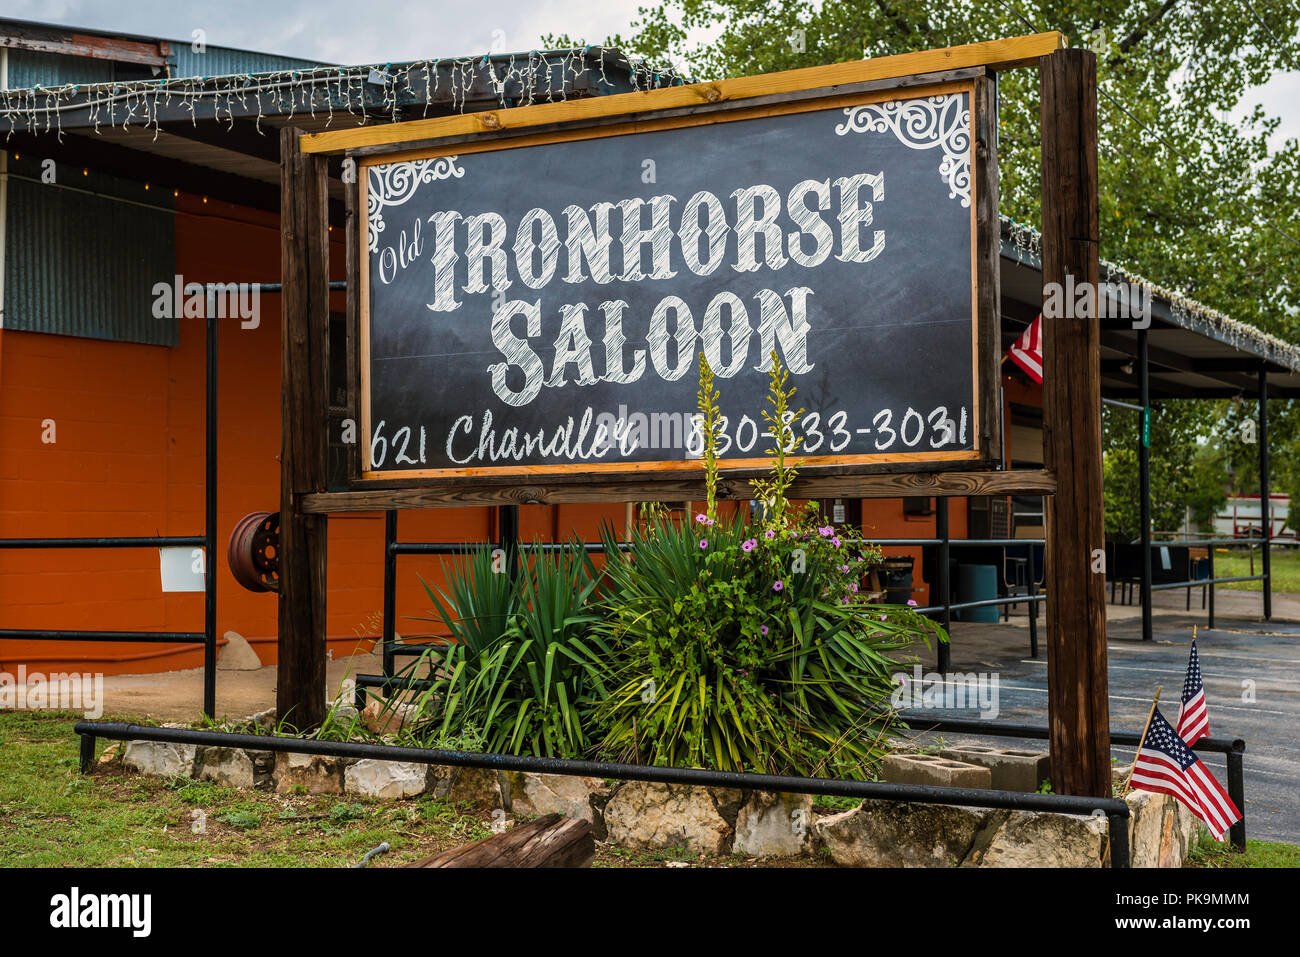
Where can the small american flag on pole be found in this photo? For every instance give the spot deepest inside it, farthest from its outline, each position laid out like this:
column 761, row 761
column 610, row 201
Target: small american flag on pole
column 1027, row 351
column 1166, row 765
column 1193, row 718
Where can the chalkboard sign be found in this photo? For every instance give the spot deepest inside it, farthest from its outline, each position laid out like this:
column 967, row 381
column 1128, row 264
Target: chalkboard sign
column 536, row 305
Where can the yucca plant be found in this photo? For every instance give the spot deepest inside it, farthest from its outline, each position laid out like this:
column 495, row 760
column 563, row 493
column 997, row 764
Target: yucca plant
column 521, row 664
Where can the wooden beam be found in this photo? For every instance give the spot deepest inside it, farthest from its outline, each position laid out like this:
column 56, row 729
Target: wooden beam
column 997, row 54
column 1077, row 703
column 988, row 263
column 549, row 841
column 40, row 39
column 896, row 485
column 304, row 421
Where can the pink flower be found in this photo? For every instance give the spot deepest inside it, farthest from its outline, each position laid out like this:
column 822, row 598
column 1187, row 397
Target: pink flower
column 749, row 544
column 836, row 541
column 762, row 629
column 825, row 531
column 884, row 618
column 769, row 534
column 778, row 585
column 853, row 588
column 912, row 602
column 704, row 543
column 844, row 568
column 702, row 518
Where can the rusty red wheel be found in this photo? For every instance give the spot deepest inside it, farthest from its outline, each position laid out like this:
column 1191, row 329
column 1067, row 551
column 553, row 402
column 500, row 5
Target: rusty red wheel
column 254, row 551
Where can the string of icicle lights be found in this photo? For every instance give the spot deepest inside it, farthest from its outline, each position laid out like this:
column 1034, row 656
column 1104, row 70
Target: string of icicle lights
column 1190, row 313
column 536, row 77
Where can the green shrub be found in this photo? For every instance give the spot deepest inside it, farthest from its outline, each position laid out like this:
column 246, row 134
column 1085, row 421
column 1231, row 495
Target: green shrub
column 747, row 646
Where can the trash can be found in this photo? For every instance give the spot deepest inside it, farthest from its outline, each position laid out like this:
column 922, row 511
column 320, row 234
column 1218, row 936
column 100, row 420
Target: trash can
column 898, row 579
column 977, row 583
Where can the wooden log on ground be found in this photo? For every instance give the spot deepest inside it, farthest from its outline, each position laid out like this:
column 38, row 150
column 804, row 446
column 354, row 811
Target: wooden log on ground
column 549, row 841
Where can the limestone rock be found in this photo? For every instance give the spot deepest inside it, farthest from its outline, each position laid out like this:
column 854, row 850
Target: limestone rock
column 648, row 816
column 238, row 654
column 774, row 825
column 386, row 779
column 235, row 767
column 553, row 794
column 315, row 773
column 160, row 758
column 478, row 787
column 1161, row 830
column 1039, row 839
column 898, row 834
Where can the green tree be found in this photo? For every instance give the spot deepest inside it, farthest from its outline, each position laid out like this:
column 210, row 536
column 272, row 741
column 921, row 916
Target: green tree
column 1188, row 198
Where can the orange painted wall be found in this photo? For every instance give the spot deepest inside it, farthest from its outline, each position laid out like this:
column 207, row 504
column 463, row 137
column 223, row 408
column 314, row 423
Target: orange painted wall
column 129, row 460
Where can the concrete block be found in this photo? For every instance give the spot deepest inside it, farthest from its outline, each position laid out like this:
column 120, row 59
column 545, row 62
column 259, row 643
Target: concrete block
column 934, row 771
column 1012, row 770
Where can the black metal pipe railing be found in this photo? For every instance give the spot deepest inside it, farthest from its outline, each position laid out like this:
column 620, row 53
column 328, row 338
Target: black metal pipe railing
column 1116, row 811
column 156, row 637
column 163, row 541
column 1234, row 749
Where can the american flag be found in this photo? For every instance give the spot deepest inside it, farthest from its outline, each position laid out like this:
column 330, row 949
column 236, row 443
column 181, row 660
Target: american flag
column 1027, row 352
column 1166, row 765
column 1193, row 718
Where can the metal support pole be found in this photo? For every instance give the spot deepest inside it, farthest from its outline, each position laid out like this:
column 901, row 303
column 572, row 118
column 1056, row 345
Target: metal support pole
column 1237, row 791
column 1144, row 478
column 941, row 579
column 1210, row 597
column 1119, row 853
column 210, row 517
column 1265, row 511
column 390, row 590
column 508, row 535
column 87, row 753
column 1033, row 608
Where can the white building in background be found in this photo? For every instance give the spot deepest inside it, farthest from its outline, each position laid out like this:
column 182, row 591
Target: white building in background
column 1241, row 517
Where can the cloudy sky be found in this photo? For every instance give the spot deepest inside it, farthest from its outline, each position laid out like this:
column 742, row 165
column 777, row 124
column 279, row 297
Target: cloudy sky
column 336, row 31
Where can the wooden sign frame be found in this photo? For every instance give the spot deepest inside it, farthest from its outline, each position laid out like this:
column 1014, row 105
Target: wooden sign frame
column 601, row 117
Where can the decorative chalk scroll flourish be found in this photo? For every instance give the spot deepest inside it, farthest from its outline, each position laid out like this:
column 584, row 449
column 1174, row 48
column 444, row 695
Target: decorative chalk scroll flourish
column 392, row 184
column 923, row 124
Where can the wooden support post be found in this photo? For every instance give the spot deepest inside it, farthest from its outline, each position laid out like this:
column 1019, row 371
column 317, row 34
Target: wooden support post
column 1078, row 708
column 304, row 345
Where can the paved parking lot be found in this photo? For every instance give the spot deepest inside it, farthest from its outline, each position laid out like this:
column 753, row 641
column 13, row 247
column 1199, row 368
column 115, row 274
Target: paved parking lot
column 1251, row 671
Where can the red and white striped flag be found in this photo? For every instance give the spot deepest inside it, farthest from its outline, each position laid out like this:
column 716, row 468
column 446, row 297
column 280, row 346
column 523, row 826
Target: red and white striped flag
column 1166, row 765
column 1027, row 351
column 1193, row 717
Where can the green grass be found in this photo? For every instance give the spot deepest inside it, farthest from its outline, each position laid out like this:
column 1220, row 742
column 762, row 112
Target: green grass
column 53, row 816
column 1235, row 562
column 1210, row 853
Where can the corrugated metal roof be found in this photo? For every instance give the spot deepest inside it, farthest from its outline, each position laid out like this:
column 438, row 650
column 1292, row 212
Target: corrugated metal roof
column 223, row 61
column 28, row 69
column 62, row 277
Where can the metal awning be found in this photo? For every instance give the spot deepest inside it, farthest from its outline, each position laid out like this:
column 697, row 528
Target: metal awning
column 1193, row 351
